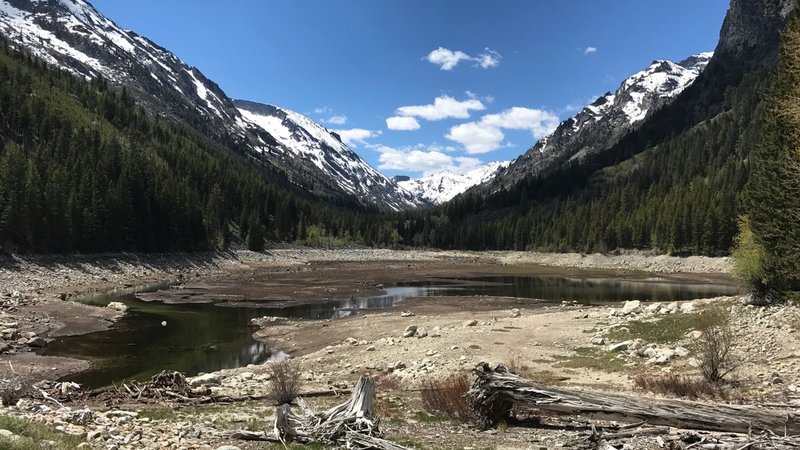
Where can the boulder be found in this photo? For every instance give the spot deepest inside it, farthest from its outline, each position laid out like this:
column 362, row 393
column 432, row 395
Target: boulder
column 470, row 323
column 514, row 313
column 410, row 331
column 619, row 347
column 422, row 332
column 117, row 306
column 37, row 341
column 208, row 379
column 631, row 307
column 598, row 340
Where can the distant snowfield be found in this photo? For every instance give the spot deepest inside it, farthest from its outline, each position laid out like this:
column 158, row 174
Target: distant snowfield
column 444, row 186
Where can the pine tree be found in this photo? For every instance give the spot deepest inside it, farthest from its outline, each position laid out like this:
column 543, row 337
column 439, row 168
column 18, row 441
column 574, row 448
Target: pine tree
column 773, row 194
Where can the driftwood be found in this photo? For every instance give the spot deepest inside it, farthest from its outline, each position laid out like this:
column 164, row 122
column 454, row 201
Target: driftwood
column 350, row 424
column 496, row 391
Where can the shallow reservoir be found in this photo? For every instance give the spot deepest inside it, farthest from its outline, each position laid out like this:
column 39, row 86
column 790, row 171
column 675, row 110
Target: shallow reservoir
column 205, row 337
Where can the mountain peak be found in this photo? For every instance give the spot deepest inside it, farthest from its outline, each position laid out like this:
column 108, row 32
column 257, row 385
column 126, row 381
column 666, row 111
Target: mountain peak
column 608, row 118
column 444, row 185
column 305, row 139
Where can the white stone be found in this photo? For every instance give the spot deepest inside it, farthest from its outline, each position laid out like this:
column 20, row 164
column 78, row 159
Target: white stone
column 117, row 306
column 631, row 307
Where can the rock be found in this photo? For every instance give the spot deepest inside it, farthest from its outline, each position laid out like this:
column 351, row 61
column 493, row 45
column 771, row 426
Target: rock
column 422, row 332
column 37, row 341
column 776, row 379
column 631, row 307
column 407, row 314
column 436, row 332
column 246, row 376
column 5, row 434
column 694, row 335
column 637, row 344
column 514, row 313
column 351, row 341
column 410, row 331
column 470, row 323
column 648, row 352
column 117, row 306
column 681, row 352
column 399, row 365
column 209, row 379
column 652, row 308
column 598, row 340
column 619, row 347
column 228, row 447
column 371, row 348
column 688, row 307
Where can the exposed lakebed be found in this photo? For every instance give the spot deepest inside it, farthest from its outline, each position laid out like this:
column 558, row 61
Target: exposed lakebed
column 201, row 337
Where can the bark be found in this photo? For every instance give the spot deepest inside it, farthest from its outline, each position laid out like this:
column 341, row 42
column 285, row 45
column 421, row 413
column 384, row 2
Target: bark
column 496, row 391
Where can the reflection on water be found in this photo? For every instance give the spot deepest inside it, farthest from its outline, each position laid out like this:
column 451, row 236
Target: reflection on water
column 206, row 337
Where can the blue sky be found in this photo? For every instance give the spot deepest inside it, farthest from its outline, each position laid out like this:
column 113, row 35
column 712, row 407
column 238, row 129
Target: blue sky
column 503, row 71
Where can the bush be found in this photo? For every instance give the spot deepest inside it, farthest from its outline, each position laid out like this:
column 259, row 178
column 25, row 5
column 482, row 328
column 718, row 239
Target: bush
column 715, row 351
column 678, row 385
column 285, row 383
column 447, row 397
column 12, row 388
column 748, row 258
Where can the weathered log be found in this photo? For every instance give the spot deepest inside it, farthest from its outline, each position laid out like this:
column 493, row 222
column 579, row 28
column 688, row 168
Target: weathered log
column 349, row 424
column 496, row 391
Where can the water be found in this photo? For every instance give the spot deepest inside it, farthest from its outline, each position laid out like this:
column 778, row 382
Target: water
column 208, row 337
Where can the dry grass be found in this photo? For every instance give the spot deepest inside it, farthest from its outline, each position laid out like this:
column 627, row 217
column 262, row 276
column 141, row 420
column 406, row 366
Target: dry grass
column 285, row 384
column 388, row 382
column 678, row 385
column 715, row 347
column 446, row 397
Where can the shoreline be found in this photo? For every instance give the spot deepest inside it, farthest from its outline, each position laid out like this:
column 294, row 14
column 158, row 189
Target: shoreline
column 40, row 289
column 560, row 344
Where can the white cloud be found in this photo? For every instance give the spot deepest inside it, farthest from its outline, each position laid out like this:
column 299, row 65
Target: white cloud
column 322, row 110
column 355, row 136
column 477, row 137
column 443, row 107
column 448, row 59
column 590, row 50
column 402, row 123
column 421, row 159
column 336, row 120
column 486, row 135
column 489, row 58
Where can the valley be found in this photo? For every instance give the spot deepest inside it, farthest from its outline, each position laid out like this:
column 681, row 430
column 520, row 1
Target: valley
column 587, row 241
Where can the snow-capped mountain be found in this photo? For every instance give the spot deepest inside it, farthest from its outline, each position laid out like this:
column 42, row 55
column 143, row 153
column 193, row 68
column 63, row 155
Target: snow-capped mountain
column 307, row 140
column 443, row 186
column 602, row 123
column 74, row 36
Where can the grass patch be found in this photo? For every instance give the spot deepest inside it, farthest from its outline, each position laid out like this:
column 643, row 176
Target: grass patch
column 33, row 435
column 591, row 358
column 668, row 329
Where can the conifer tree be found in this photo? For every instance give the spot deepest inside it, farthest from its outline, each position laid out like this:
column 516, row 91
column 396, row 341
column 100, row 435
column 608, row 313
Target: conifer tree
column 773, row 194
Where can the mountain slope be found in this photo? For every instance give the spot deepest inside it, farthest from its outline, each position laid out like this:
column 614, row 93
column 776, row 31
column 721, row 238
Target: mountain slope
column 669, row 184
column 72, row 35
column 607, row 119
column 307, row 140
column 443, row 186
